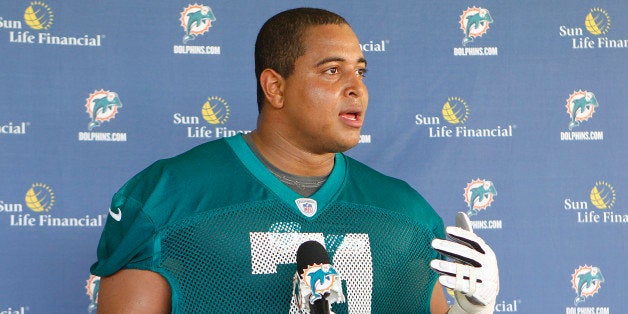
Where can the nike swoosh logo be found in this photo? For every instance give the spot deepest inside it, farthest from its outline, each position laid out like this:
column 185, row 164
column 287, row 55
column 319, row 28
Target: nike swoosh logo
column 116, row 216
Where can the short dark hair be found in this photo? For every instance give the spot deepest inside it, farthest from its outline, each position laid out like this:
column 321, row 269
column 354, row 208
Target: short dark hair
column 279, row 41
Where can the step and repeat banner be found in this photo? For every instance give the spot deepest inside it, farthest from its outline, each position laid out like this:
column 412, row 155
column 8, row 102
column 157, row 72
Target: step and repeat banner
column 512, row 111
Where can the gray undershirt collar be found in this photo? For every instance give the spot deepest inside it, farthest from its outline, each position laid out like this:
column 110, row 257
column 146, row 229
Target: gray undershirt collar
column 303, row 185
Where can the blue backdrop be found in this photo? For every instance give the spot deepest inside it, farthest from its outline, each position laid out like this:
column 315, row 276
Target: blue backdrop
column 520, row 102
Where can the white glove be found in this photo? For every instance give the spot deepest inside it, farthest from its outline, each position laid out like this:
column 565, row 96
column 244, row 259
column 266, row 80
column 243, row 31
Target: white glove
column 473, row 274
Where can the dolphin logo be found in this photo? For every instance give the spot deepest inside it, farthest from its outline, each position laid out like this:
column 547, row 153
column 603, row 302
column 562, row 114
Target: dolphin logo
column 478, row 194
column 475, row 21
column 322, row 278
column 580, row 106
column 586, row 281
column 101, row 106
column 196, row 19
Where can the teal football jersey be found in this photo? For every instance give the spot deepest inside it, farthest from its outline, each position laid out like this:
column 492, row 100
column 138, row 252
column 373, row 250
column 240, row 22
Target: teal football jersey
column 224, row 232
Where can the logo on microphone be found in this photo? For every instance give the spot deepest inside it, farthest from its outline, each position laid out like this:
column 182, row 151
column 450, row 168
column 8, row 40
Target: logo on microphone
column 318, row 280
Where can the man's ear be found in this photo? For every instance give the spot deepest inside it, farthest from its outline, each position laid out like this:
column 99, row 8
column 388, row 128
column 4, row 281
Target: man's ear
column 273, row 86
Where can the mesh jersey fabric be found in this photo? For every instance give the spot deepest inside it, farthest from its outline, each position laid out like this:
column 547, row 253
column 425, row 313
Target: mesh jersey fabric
column 224, row 232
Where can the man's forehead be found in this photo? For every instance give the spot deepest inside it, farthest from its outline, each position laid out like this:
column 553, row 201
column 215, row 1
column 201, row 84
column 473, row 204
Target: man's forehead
column 332, row 42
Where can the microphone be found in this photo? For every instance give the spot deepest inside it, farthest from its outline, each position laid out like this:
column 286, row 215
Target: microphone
column 318, row 282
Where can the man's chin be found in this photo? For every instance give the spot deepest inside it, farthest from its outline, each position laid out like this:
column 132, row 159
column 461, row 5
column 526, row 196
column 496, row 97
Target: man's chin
column 347, row 144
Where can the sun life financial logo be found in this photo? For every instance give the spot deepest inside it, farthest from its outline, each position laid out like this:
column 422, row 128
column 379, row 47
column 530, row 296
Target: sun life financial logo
column 474, row 23
column 39, row 17
column 215, row 112
column 603, row 195
column 580, row 107
column 102, row 106
column 92, row 287
column 586, row 281
column 603, row 198
column 597, row 23
column 196, row 20
column 456, row 112
column 40, row 199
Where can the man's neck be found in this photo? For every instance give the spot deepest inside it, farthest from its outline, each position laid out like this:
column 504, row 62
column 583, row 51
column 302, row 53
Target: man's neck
column 291, row 158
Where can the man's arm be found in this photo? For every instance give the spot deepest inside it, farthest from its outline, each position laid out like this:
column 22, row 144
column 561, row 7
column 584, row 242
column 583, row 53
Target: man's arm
column 134, row 291
column 438, row 303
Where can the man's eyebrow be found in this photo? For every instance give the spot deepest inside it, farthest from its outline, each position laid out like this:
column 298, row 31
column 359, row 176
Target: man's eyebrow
column 337, row 59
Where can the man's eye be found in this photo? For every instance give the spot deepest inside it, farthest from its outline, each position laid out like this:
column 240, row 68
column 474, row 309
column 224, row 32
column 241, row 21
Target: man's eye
column 361, row 72
column 332, row 71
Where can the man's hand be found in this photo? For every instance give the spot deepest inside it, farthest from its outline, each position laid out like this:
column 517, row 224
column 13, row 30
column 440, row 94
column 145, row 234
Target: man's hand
column 473, row 273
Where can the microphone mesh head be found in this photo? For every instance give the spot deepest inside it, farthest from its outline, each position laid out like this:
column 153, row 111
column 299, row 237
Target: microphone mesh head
column 310, row 253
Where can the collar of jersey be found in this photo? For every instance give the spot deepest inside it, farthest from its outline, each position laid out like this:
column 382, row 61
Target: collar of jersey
column 325, row 195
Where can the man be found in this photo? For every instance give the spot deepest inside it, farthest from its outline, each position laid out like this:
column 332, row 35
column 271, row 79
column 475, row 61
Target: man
column 216, row 228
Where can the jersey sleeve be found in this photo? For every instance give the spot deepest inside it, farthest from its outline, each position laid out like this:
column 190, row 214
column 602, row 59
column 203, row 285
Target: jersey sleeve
column 127, row 240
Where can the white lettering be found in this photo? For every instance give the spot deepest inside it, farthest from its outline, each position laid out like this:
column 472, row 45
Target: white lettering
column 365, row 138
column 10, row 208
column 10, row 24
column 102, row 137
column 178, row 118
column 582, row 43
column 196, row 50
column 21, row 37
column 588, row 217
column 374, row 46
column 566, row 31
column 10, row 128
column 419, row 119
column 224, row 132
column 86, row 40
column 22, row 220
column 604, row 42
column 582, row 136
column 476, row 51
column 576, row 205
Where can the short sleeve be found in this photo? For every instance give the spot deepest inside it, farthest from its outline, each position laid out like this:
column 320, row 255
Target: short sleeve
column 127, row 239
